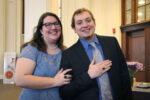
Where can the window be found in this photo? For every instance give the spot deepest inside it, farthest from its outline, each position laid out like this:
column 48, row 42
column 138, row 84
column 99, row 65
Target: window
column 135, row 11
column 128, row 12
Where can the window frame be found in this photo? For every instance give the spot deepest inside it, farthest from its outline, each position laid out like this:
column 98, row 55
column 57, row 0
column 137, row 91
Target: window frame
column 134, row 13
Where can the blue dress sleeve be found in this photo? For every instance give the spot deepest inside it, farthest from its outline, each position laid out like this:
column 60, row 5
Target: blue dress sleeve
column 29, row 52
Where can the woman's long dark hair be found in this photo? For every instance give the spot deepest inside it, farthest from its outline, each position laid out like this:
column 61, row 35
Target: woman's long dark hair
column 37, row 39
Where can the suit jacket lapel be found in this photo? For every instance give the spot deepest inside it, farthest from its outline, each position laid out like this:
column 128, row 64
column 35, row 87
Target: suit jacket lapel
column 105, row 49
column 81, row 52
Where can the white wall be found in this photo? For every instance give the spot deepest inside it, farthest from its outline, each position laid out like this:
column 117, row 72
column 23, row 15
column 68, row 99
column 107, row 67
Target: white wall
column 2, row 34
column 108, row 16
column 33, row 10
column 106, row 12
column 11, row 15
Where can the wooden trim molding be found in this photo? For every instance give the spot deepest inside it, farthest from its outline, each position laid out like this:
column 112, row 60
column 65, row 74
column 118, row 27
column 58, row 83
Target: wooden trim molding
column 133, row 27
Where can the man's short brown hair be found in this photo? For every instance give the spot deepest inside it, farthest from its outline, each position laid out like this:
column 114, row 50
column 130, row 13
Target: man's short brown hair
column 79, row 11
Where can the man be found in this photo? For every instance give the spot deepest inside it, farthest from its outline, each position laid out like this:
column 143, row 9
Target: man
column 87, row 82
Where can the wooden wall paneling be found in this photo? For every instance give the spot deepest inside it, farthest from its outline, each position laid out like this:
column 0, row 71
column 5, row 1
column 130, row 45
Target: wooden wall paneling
column 123, row 12
column 123, row 46
column 137, row 51
column 133, row 14
column 147, row 51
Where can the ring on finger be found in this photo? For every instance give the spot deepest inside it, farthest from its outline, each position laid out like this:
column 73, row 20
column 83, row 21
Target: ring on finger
column 104, row 68
column 65, row 76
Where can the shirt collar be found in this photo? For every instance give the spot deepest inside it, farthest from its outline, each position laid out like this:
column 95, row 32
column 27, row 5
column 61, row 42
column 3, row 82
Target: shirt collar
column 96, row 40
column 86, row 43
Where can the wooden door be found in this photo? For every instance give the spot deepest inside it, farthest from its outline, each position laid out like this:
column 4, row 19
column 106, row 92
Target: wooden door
column 136, row 47
column 136, row 51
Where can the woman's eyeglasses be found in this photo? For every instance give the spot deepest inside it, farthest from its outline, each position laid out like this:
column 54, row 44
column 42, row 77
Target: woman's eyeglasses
column 49, row 25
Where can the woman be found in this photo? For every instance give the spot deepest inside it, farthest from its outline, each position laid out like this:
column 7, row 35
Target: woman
column 37, row 68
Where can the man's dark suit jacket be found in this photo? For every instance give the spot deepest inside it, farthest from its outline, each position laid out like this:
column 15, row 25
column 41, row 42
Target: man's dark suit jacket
column 82, row 87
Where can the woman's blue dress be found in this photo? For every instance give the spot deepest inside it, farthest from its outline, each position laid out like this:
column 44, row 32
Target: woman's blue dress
column 47, row 65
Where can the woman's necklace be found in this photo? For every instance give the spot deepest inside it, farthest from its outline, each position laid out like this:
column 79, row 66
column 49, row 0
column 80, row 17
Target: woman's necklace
column 53, row 48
